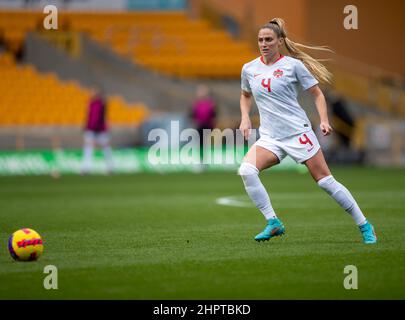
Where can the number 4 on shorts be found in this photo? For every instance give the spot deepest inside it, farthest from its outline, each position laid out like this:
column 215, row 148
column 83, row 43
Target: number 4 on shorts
column 305, row 140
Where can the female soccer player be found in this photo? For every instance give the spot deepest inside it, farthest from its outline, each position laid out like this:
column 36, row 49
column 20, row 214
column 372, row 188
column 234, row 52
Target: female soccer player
column 272, row 80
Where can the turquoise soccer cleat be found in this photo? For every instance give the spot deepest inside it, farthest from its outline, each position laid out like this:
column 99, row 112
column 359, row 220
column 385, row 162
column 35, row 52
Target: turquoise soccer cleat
column 274, row 228
column 368, row 233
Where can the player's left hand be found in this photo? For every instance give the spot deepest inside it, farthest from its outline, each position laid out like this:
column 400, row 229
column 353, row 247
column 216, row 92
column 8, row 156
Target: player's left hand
column 326, row 128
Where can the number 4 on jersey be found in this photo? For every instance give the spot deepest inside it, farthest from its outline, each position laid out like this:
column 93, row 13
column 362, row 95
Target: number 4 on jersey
column 266, row 84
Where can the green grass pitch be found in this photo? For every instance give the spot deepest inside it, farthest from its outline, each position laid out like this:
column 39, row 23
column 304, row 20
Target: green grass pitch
column 152, row 236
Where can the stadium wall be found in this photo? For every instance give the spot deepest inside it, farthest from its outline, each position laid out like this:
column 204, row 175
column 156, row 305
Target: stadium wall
column 376, row 42
column 252, row 14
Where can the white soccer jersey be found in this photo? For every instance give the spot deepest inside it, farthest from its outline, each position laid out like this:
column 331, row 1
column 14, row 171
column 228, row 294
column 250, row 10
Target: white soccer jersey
column 275, row 90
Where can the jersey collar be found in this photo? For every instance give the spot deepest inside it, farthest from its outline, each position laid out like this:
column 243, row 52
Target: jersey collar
column 261, row 59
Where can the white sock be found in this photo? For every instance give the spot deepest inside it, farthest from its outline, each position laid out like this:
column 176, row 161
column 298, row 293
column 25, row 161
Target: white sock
column 343, row 197
column 256, row 190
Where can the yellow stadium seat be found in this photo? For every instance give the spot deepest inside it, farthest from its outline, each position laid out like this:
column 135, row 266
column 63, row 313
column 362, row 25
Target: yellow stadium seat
column 26, row 99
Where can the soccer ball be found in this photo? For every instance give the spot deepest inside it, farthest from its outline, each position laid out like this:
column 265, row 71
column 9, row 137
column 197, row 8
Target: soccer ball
column 25, row 245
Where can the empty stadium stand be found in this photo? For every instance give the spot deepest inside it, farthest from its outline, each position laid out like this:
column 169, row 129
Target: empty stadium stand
column 168, row 42
column 30, row 98
column 173, row 44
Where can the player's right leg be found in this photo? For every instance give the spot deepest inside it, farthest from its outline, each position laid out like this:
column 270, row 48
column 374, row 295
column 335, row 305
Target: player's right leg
column 257, row 159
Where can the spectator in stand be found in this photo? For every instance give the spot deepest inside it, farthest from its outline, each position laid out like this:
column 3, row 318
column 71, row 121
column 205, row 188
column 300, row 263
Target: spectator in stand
column 96, row 132
column 203, row 113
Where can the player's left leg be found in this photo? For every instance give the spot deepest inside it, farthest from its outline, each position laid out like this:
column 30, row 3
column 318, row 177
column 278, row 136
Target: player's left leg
column 319, row 170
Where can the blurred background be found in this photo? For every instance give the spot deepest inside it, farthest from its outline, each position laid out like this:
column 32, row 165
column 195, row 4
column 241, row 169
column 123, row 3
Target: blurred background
column 154, row 61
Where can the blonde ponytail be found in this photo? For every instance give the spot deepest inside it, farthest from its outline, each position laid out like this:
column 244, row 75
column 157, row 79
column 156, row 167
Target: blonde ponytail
column 314, row 66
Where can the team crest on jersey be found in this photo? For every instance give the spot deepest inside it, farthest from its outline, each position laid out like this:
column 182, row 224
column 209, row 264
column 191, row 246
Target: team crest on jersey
column 278, row 73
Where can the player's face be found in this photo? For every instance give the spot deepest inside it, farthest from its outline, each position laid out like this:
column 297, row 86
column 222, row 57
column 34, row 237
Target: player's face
column 269, row 43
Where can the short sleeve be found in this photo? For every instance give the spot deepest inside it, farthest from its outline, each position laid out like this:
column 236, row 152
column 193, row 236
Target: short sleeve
column 245, row 86
column 304, row 77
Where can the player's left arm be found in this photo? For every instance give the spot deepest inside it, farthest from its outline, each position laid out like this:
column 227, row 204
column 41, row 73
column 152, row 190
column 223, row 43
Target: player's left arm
column 320, row 103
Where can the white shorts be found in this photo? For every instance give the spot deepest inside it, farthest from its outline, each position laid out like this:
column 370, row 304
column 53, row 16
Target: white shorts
column 300, row 147
column 101, row 138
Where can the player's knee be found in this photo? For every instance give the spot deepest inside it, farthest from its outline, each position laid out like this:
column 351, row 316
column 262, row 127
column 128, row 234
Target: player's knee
column 247, row 169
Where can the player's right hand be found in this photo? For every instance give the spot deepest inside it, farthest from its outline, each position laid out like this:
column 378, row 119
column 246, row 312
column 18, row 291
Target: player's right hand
column 245, row 127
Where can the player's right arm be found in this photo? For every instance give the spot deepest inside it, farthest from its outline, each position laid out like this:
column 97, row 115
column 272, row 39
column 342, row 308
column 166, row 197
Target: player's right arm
column 245, row 106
